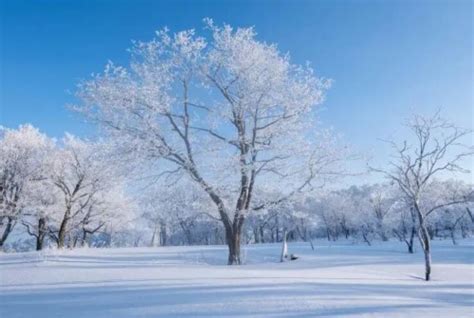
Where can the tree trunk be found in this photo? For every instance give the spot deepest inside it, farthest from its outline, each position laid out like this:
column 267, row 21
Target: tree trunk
column 152, row 242
column 233, row 233
column 411, row 241
column 63, row 228
column 425, row 241
column 366, row 239
column 41, row 233
column 84, row 238
column 426, row 244
column 39, row 244
column 62, row 233
column 284, row 248
column 277, row 230
column 413, row 231
column 471, row 215
column 233, row 242
column 8, row 229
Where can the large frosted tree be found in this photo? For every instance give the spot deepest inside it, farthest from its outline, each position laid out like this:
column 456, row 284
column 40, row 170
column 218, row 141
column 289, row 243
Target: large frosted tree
column 227, row 111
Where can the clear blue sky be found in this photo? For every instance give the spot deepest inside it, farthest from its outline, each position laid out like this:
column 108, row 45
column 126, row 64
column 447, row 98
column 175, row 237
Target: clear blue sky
column 387, row 58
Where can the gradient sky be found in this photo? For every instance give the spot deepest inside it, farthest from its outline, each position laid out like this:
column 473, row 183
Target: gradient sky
column 387, row 58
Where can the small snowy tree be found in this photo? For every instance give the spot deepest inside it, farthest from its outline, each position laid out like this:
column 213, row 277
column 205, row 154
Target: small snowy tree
column 382, row 199
column 181, row 206
column 448, row 217
column 80, row 171
column 437, row 149
column 43, row 202
column 404, row 225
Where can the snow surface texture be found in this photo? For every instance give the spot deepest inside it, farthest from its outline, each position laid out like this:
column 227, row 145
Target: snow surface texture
column 336, row 280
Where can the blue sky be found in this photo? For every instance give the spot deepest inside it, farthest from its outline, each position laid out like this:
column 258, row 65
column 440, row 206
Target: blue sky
column 387, row 58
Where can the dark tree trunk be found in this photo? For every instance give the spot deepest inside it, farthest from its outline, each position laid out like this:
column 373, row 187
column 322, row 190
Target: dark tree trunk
column 62, row 234
column 233, row 242
column 425, row 241
column 471, row 215
column 233, row 238
column 39, row 244
column 277, row 231
column 426, row 244
column 284, row 249
column 63, row 228
column 411, row 240
column 84, row 237
column 8, row 229
column 41, row 234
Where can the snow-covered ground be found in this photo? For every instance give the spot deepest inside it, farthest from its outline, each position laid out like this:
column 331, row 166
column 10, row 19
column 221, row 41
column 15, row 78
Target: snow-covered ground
column 336, row 280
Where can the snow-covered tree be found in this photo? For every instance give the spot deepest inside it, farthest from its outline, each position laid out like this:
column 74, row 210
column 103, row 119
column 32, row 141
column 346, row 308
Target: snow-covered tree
column 231, row 113
column 180, row 207
column 382, row 198
column 448, row 217
column 22, row 152
column 404, row 224
column 44, row 201
column 437, row 149
column 82, row 174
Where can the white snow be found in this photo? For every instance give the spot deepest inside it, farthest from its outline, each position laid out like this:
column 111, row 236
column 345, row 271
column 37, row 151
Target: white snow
column 337, row 280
